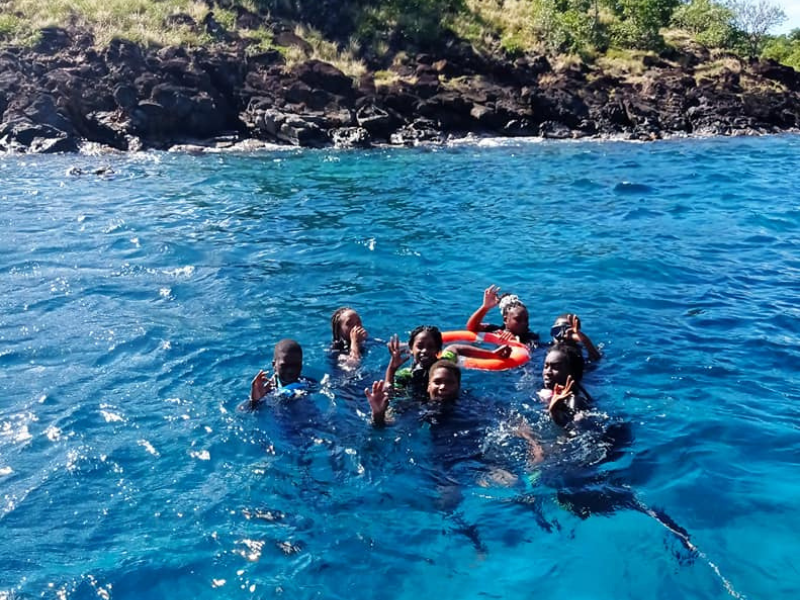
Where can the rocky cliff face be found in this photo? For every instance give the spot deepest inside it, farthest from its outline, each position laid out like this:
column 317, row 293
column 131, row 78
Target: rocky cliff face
column 66, row 92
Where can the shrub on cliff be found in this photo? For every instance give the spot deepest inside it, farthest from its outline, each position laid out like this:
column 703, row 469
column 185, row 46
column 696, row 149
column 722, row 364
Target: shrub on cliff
column 639, row 22
column 710, row 23
column 785, row 49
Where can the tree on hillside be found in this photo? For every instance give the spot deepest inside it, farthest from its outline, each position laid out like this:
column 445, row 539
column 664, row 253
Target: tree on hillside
column 755, row 18
column 639, row 22
column 709, row 22
column 785, row 49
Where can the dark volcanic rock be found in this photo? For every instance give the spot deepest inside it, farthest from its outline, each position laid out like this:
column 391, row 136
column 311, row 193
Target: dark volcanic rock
column 65, row 91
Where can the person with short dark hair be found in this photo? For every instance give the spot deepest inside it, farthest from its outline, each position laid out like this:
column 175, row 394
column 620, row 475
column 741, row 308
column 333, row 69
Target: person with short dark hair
column 444, row 385
column 287, row 380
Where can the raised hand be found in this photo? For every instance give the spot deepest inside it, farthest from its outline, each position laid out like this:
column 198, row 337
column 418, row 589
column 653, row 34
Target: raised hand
column 399, row 354
column 491, row 297
column 357, row 335
column 574, row 332
column 261, row 386
column 378, row 401
column 561, row 393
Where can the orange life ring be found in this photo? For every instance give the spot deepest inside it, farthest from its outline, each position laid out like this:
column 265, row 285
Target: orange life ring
column 520, row 354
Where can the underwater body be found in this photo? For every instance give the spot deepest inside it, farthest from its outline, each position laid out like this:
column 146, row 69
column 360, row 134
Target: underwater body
column 141, row 293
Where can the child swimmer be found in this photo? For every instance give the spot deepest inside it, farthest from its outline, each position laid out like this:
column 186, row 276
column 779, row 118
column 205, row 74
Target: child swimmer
column 348, row 335
column 515, row 317
column 287, row 381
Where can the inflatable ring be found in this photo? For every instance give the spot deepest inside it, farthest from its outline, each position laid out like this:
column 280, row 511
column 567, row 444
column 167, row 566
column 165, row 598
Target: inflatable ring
column 519, row 351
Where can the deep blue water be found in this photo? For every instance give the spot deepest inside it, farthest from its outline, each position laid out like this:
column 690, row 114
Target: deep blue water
column 137, row 306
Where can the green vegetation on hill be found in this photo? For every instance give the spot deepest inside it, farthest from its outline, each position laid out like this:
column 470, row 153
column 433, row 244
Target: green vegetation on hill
column 349, row 33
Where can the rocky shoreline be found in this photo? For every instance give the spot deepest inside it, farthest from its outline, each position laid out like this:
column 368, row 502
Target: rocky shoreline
column 65, row 93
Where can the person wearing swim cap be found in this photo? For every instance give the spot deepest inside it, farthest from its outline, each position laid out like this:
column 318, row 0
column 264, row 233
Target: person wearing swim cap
column 286, row 381
column 516, row 320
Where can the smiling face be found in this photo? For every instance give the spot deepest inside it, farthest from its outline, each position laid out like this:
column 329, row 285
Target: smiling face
column 443, row 384
column 424, row 349
column 347, row 322
column 516, row 320
column 556, row 369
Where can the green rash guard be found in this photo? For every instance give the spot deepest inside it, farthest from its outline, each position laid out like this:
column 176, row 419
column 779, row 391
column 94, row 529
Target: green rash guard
column 415, row 377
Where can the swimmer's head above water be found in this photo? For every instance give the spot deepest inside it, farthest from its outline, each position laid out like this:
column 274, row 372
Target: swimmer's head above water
column 343, row 321
column 515, row 315
column 287, row 361
column 425, row 344
column 444, row 381
column 562, row 361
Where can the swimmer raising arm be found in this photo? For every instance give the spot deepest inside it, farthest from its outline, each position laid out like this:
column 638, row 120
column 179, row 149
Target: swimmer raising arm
column 568, row 329
column 378, row 402
column 358, row 336
column 399, row 355
column 262, row 385
column 491, row 299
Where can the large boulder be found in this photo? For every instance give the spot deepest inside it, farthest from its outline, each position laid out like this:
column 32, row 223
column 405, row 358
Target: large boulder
column 324, row 76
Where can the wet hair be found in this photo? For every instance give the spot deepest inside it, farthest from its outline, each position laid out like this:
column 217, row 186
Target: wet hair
column 575, row 362
column 434, row 331
column 336, row 327
column 287, row 346
column 564, row 318
column 509, row 302
column 448, row 365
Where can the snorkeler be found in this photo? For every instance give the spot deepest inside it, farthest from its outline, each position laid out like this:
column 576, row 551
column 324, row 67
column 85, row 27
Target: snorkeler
column 348, row 335
column 567, row 329
column 514, row 312
column 287, row 361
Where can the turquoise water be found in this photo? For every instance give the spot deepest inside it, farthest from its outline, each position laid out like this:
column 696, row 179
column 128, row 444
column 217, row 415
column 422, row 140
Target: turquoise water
column 137, row 305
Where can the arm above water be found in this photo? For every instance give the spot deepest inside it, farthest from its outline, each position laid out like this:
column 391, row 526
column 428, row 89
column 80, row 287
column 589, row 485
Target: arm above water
column 490, row 300
column 469, row 351
column 579, row 337
column 261, row 385
column 378, row 402
column 358, row 336
column 399, row 355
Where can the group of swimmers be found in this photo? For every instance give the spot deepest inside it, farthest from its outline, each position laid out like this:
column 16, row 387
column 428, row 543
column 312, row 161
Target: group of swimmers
column 434, row 377
column 434, row 374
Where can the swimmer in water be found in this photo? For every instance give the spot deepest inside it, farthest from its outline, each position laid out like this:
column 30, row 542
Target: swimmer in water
column 348, row 335
column 515, row 317
column 562, row 373
column 424, row 348
column 287, row 362
column 566, row 329
column 444, row 386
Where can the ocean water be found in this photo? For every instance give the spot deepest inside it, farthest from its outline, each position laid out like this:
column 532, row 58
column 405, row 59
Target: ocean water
column 138, row 303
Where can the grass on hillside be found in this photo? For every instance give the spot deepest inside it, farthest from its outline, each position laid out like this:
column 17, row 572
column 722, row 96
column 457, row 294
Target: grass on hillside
column 153, row 23
column 142, row 21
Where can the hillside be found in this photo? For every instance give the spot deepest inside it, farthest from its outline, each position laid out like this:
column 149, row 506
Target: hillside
column 355, row 74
